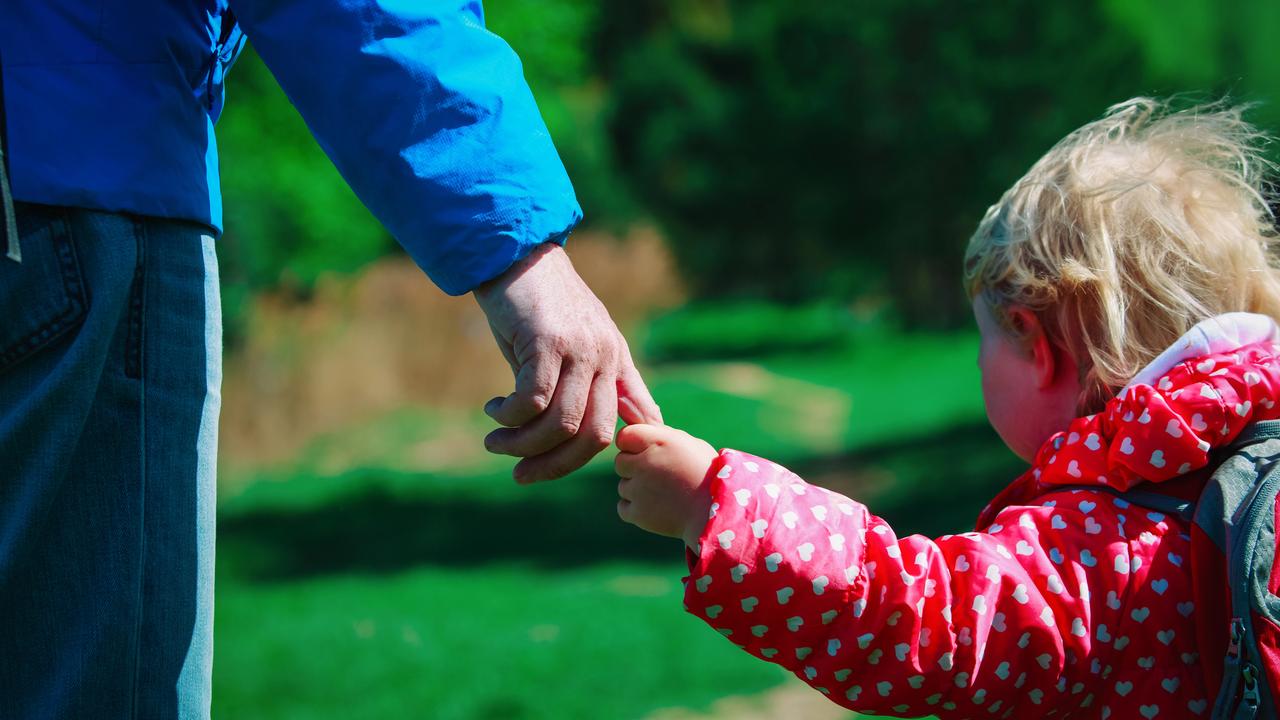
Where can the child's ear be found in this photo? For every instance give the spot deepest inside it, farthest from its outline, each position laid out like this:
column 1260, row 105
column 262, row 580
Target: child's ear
column 1044, row 354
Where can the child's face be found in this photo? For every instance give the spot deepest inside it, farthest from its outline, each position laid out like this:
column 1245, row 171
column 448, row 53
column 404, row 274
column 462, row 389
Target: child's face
column 1030, row 388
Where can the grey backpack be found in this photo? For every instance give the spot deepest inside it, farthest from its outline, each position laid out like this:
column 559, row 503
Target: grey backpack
column 1237, row 512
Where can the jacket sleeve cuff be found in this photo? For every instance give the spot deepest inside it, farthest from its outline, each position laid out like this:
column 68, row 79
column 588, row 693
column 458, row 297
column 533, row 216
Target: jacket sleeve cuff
column 743, row 491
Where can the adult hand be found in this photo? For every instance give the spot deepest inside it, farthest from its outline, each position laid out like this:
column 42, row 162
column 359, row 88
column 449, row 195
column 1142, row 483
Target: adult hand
column 573, row 371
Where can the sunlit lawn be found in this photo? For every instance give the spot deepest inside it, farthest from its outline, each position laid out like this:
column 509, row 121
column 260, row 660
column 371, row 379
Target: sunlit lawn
column 373, row 592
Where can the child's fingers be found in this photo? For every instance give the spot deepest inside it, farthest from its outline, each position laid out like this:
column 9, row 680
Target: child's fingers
column 626, row 464
column 637, row 438
column 624, row 489
column 624, row 511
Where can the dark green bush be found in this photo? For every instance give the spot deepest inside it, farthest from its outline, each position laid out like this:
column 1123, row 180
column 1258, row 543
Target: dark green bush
column 818, row 149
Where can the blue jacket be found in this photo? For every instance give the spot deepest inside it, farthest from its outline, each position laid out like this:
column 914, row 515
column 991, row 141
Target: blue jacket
column 111, row 105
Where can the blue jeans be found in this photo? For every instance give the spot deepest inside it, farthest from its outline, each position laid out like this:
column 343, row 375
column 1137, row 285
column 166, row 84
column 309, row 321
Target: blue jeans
column 110, row 367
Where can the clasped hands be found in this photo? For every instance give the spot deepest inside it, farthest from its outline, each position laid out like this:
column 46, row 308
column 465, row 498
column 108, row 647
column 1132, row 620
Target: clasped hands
column 574, row 377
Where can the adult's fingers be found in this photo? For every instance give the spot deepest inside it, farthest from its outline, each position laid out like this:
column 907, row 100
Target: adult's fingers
column 555, row 425
column 635, row 404
column 595, row 435
column 536, row 385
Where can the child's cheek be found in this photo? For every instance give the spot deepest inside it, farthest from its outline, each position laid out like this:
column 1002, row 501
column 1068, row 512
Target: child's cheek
column 1009, row 401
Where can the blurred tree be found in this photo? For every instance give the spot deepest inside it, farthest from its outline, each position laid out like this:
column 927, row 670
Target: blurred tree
column 289, row 217
column 554, row 39
column 1220, row 48
column 791, row 148
column 810, row 148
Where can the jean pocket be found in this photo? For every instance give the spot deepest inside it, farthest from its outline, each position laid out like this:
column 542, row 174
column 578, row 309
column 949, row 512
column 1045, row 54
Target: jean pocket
column 43, row 296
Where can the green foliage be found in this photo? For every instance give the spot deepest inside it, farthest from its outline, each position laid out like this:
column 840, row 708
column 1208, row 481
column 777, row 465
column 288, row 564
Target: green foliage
column 792, row 150
column 816, row 149
column 554, row 39
column 710, row 330
column 289, row 215
column 1217, row 48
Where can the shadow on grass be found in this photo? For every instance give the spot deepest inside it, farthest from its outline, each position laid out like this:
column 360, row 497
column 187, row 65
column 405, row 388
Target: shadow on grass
column 929, row 485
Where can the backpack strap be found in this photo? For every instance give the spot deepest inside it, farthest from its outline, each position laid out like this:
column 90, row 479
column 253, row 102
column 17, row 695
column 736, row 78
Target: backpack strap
column 1208, row 510
column 1151, row 500
column 1212, row 506
column 1239, row 505
column 1257, row 432
column 1253, row 434
column 1241, row 476
column 1167, row 504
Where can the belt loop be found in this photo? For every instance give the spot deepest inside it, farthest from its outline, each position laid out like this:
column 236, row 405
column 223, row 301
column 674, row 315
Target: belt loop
column 9, row 227
column 10, row 215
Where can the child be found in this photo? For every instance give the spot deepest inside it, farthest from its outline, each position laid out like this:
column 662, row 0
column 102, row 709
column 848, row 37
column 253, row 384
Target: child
column 1124, row 295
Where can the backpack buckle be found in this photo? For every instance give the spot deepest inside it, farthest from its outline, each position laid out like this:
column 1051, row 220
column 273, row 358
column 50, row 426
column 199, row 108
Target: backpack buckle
column 1237, row 637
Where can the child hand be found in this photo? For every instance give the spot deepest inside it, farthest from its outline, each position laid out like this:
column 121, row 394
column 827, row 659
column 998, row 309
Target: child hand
column 662, row 488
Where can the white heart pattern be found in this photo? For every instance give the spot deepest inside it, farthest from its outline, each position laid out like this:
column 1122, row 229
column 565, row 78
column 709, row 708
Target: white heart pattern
column 1020, row 594
column 772, row 560
column 820, row 584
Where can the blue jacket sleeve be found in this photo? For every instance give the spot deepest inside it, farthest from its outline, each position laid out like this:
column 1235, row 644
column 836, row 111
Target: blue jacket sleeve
column 427, row 116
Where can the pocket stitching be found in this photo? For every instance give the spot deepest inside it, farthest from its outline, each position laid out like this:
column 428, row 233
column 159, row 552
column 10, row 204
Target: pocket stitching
column 73, row 287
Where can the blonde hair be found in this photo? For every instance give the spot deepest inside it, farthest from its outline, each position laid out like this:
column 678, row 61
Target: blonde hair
column 1128, row 232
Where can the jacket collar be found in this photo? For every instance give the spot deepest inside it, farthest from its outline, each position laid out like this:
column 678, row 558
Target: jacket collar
column 1196, row 396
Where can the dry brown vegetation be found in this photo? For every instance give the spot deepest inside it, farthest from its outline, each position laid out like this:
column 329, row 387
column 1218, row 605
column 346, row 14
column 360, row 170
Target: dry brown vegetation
column 788, row 701
column 384, row 338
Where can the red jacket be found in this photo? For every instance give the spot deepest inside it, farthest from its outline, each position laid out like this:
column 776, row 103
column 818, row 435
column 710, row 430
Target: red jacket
column 1066, row 599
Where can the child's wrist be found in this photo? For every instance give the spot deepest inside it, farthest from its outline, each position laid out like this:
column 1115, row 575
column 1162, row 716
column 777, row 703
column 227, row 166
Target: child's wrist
column 699, row 515
column 700, row 506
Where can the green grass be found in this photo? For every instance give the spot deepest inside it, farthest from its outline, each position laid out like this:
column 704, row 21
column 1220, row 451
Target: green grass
column 497, row 641
column 351, row 585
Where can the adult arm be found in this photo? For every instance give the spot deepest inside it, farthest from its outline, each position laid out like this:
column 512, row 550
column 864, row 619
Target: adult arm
column 427, row 116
